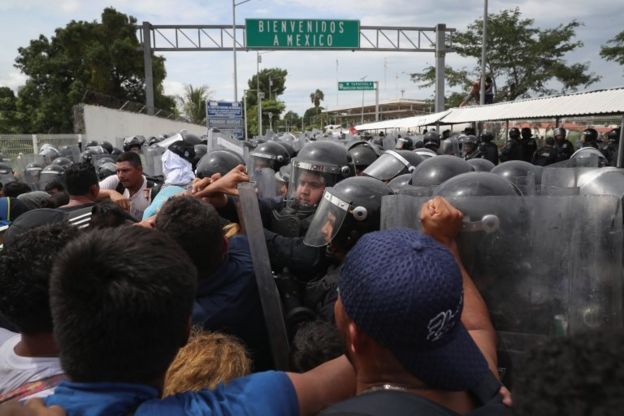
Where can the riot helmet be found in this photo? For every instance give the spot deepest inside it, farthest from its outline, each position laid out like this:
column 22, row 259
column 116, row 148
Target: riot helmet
column 526, row 133
column 425, row 153
column 318, row 165
column 133, row 143
column 363, row 155
column 282, row 179
column 393, row 163
column 92, row 143
column 514, row 133
column 476, row 184
column 400, row 182
column 108, row 146
column 62, row 162
column 48, row 153
column 589, row 137
column 436, row 170
column 183, row 149
column 52, row 173
column 32, row 173
column 105, row 168
column 431, row 140
column 348, row 210
column 522, row 174
column 449, row 146
column 468, row 145
column 116, row 152
column 614, row 136
column 190, row 138
column 70, row 152
column 289, row 148
column 486, row 136
column 6, row 173
column 270, row 155
column 404, row 143
column 481, row 165
column 218, row 161
column 200, row 151
column 559, row 132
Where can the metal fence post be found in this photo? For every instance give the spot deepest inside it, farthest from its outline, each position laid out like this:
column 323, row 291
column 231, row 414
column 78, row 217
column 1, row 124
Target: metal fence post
column 35, row 144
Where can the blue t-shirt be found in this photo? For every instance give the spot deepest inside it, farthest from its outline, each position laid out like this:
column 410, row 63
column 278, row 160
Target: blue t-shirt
column 228, row 301
column 268, row 393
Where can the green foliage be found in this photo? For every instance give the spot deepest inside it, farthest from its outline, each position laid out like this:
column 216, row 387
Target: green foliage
column 521, row 59
column 8, row 111
column 316, row 97
column 275, row 78
column 102, row 57
column 194, row 103
column 313, row 118
column 615, row 52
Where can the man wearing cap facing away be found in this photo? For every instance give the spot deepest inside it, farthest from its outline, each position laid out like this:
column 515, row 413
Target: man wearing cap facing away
column 416, row 329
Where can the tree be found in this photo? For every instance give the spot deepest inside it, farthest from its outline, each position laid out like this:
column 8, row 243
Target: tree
column 316, row 97
column 194, row 103
column 312, row 117
column 273, row 79
column 8, row 111
column 270, row 78
column 521, row 59
column 291, row 120
column 615, row 52
column 82, row 57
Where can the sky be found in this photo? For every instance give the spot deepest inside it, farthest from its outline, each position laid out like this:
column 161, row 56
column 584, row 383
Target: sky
column 23, row 20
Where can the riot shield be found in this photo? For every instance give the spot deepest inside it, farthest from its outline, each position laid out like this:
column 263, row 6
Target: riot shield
column 266, row 184
column 153, row 161
column 267, row 289
column 545, row 265
column 72, row 152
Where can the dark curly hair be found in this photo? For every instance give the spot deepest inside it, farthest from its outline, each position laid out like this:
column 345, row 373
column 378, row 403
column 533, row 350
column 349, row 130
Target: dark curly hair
column 25, row 269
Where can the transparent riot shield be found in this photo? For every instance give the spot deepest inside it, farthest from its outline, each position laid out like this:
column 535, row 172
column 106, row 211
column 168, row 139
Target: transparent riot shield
column 266, row 184
column 569, row 180
column 72, row 152
column 267, row 289
column 153, row 161
column 545, row 265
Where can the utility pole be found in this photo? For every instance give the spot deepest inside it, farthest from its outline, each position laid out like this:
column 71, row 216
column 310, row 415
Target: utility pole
column 483, row 51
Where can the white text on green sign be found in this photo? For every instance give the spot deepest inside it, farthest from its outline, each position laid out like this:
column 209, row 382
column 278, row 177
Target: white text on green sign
column 302, row 34
column 356, row 85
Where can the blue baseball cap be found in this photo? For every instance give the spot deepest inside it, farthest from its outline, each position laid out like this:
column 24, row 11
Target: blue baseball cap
column 405, row 291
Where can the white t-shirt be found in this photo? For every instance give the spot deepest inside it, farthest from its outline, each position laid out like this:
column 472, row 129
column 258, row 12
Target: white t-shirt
column 138, row 202
column 16, row 371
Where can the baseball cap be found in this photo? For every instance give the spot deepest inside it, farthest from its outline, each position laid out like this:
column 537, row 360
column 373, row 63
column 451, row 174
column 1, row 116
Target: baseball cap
column 405, row 291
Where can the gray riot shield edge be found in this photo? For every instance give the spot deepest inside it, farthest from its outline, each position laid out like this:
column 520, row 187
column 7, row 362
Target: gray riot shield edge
column 267, row 289
column 545, row 265
column 266, row 184
column 153, row 161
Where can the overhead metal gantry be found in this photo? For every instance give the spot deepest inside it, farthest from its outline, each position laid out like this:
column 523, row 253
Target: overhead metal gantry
column 212, row 38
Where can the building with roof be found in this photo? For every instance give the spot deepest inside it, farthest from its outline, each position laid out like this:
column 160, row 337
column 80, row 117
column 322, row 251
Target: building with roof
column 388, row 110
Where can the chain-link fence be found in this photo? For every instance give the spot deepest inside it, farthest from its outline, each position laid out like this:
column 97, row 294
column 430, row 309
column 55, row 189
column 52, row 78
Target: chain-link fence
column 11, row 145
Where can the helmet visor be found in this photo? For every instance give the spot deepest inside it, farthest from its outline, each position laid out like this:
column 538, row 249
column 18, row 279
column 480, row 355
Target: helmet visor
column 327, row 220
column 387, row 166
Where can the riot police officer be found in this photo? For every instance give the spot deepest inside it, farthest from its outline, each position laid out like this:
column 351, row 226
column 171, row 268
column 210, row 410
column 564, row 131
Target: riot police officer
column 469, row 147
column 611, row 148
column 513, row 150
column 487, row 148
column 363, row 155
column 348, row 210
column 563, row 147
column 318, row 165
column 393, row 163
column 529, row 145
column 589, row 138
column 133, row 143
column 431, row 140
column 545, row 155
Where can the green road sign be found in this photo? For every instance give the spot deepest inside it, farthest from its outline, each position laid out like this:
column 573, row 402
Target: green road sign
column 302, row 34
column 356, row 85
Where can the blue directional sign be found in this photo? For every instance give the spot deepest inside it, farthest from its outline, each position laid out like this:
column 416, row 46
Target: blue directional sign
column 227, row 116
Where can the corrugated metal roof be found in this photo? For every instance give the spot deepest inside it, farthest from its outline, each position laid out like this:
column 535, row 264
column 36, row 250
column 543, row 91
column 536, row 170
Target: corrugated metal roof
column 588, row 103
column 404, row 123
column 582, row 104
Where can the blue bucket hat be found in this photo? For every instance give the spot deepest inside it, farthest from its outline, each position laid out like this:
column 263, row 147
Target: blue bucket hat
column 405, row 291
